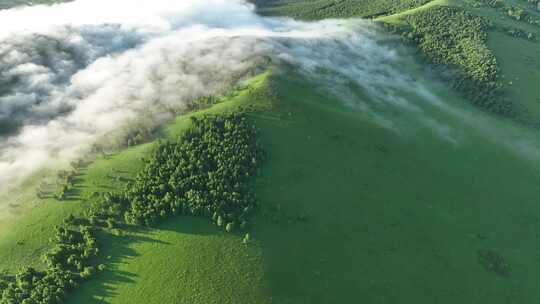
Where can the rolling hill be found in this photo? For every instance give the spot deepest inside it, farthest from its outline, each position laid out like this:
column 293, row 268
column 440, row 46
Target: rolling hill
column 440, row 206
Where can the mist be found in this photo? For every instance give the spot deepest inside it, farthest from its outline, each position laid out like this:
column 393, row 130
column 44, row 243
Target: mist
column 71, row 74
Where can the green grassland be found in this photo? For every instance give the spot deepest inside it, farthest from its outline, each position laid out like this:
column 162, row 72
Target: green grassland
column 389, row 219
column 350, row 212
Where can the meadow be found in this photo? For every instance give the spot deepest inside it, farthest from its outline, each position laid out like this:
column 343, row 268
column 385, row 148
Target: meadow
column 348, row 210
column 403, row 232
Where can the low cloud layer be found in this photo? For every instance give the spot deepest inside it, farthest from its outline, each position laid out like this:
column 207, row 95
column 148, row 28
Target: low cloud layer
column 72, row 73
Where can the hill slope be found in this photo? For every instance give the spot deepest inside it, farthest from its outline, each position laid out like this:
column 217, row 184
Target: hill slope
column 508, row 89
column 515, row 73
column 349, row 210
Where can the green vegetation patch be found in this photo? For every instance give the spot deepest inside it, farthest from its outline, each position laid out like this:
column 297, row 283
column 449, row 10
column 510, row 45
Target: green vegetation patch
column 68, row 263
column 494, row 262
column 451, row 37
column 207, row 172
column 319, row 9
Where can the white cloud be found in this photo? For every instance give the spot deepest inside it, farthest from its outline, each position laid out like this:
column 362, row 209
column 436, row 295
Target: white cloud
column 71, row 73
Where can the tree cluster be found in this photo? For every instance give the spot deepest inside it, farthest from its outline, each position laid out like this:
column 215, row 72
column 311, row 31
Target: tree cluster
column 456, row 40
column 67, row 264
column 206, row 173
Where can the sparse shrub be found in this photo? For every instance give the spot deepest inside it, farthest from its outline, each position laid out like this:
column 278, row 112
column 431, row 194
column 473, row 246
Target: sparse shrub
column 247, row 238
column 109, row 223
column 515, row 13
column 229, row 227
column 219, row 221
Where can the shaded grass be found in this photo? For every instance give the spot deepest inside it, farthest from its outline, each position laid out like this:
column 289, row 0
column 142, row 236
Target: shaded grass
column 389, row 219
column 183, row 260
column 350, row 212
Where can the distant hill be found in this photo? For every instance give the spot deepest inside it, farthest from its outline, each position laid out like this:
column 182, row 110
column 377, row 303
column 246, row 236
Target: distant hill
column 308, row 9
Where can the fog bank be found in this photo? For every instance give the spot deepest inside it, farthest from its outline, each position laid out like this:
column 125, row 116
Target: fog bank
column 72, row 73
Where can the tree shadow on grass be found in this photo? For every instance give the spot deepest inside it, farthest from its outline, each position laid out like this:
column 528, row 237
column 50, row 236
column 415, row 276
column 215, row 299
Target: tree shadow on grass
column 118, row 250
column 189, row 225
column 73, row 194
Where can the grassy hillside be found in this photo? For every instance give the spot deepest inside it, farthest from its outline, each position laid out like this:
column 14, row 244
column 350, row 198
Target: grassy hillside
column 478, row 62
column 387, row 218
column 29, row 222
column 191, row 260
column 350, row 211
column 510, row 86
column 516, row 44
column 204, row 249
